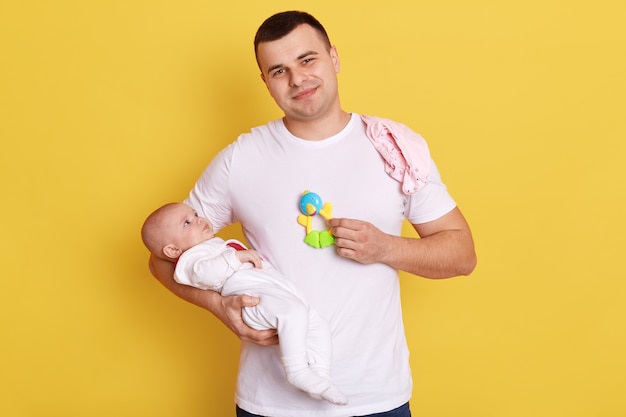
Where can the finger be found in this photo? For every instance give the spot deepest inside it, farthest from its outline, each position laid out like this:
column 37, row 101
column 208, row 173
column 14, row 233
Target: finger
column 271, row 341
column 341, row 222
column 263, row 341
column 342, row 240
column 345, row 252
column 348, row 229
column 249, row 301
column 261, row 337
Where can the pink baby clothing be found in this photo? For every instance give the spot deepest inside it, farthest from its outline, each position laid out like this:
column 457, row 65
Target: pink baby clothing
column 405, row 152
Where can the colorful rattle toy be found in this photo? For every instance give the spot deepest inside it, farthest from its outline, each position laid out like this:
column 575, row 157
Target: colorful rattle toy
column 311, row 205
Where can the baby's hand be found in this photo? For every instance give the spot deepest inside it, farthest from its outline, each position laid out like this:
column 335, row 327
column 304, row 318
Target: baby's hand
column 250, row 255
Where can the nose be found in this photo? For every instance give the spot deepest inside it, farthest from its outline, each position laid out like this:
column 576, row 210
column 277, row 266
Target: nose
column 297, row 78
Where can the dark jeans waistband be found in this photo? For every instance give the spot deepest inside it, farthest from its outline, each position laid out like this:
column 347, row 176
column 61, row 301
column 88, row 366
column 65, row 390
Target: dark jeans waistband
column 402, row 411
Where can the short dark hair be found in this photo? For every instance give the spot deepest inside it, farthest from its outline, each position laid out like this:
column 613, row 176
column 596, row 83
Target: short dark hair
column 281, row 24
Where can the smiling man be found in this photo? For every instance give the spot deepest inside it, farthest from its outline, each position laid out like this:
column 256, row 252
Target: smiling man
column 352, row 161
column 300, row 72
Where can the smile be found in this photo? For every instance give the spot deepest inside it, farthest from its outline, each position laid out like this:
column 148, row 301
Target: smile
column 305, row 94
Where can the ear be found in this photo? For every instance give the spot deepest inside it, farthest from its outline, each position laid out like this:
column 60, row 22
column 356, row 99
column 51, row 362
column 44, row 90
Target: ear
column 264, row 81
column 172, row 251
column 334, row 56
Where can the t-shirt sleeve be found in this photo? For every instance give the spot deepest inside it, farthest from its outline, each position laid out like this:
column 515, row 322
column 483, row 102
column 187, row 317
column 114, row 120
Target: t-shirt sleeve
column 431, row 202
column 210, row 196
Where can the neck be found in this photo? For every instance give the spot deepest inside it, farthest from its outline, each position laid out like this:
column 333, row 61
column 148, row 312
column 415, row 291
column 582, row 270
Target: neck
column 319, row 128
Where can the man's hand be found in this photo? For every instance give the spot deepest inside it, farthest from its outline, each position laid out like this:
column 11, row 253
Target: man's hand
column 230, row 315
column 444, row 249
column 360, row 241
column 226, row 309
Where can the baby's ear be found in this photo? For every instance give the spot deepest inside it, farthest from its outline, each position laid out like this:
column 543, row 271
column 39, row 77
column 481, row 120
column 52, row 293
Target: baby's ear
column 171, row 251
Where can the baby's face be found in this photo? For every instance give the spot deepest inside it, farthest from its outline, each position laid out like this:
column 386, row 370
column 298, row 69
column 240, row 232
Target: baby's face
column 185, row 228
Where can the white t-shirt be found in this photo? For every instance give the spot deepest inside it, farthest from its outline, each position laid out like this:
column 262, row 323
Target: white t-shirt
column 258, row 181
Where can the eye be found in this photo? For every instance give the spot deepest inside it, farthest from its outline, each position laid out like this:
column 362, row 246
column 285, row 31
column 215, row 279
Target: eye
column 186, row 223
column 278, row 72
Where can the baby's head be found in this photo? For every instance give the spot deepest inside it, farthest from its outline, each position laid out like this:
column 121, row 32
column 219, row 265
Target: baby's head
column 174, row 228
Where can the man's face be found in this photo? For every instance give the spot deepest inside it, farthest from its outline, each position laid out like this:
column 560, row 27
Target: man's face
column 300, row 73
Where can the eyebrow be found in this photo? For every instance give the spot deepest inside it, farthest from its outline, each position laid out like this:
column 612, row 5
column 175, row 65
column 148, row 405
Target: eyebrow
column 301, row 56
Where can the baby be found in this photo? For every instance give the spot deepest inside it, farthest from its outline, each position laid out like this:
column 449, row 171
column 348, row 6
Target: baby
column 176, row 233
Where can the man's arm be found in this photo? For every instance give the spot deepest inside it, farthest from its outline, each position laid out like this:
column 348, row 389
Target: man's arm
column 226, row 309
column 445, row 248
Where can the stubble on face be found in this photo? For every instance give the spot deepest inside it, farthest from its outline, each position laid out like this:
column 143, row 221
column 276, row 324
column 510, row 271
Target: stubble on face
column 305, row 86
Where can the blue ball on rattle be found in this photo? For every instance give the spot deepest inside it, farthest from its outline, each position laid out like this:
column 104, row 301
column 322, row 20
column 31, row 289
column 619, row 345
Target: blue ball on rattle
column 310, row 203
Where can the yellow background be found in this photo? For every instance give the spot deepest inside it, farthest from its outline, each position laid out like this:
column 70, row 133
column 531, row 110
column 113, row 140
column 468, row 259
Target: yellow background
column 110, row 108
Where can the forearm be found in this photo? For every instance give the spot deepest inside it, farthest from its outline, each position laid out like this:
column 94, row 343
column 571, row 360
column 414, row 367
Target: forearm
column 164, row 272
column 226, row 309
column 445, row 254
column 445, row 249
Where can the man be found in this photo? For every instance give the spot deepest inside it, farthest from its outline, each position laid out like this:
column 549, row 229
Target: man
column 258, row 180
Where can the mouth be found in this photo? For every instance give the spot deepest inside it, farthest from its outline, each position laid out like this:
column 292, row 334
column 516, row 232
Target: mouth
column 306, row 93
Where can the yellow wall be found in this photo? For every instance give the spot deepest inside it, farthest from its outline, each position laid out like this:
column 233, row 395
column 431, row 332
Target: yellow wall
column 109, row 108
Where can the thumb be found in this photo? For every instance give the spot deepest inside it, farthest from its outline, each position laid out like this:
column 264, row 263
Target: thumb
column 249, row 301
